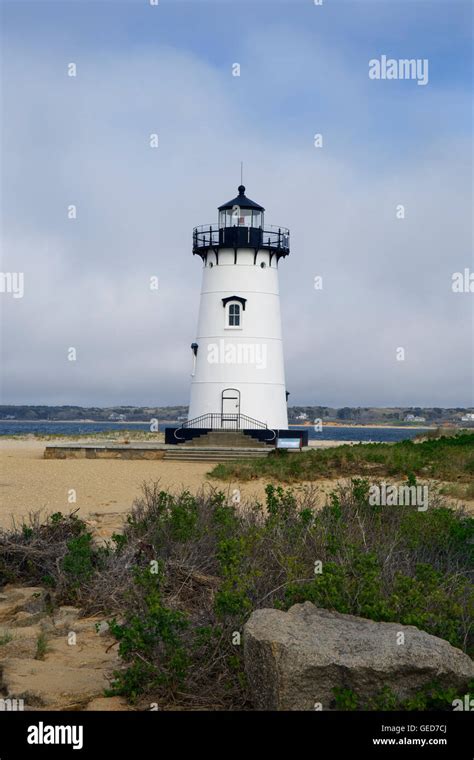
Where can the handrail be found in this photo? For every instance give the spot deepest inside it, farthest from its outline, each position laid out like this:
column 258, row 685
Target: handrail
column 270, row 237
column 221, row 421
column 274, row 228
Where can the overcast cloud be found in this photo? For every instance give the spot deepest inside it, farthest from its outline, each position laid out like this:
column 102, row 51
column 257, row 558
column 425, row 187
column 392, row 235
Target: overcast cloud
column 85, row 141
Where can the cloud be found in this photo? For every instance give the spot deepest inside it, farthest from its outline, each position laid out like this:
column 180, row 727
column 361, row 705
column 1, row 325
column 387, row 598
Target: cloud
column 386, row 281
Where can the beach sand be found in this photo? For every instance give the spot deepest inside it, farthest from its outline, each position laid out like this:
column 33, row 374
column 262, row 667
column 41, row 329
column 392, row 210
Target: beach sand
column 105, row 488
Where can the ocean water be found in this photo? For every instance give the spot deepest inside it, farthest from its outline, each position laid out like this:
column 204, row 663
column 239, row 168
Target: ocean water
column 16, row 427
column 373, row 434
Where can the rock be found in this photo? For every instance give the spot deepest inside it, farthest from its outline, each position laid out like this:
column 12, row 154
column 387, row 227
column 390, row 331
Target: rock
column 73, row 671
column 51, row 684
column 23, row 642
column 25, row 604
column 90, row 650
column 24, row 619
column 296, row 659
column 65, row 617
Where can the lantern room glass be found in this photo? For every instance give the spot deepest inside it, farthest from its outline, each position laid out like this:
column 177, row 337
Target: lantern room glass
column 240, row 217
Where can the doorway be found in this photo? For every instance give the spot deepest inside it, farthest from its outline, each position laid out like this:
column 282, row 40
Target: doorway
column 230, row 408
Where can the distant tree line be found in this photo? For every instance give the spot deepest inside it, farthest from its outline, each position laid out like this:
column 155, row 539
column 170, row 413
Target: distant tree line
column 98, row 414
column 300, row 414
column 367, row 414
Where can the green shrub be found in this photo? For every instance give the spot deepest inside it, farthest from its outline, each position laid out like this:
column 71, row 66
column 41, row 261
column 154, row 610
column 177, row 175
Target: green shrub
column 41, row 646
column 78, row 562
column 5, row 638
column 150, row 641
column 430, row 697
column 57, row 553
column 345, row 699
column 449, row 458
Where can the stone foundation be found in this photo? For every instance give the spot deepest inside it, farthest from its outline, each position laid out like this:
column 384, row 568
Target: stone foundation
column 85, row 451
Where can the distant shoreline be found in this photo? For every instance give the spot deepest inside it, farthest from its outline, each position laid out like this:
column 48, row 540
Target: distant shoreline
column 377, row 425
column 381, row 425
column 93, row 422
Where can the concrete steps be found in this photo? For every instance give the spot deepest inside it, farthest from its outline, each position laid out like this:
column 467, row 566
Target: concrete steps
column 218, row 446
column 208, row 454
column 224, row 439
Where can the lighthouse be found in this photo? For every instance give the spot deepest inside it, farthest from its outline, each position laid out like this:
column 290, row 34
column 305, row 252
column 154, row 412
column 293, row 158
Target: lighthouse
column 238, row 374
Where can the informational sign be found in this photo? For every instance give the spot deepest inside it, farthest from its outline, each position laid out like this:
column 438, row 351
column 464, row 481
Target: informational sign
column 288, row 443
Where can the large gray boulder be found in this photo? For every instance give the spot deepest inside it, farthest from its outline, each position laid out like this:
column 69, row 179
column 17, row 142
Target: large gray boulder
column 295, row 659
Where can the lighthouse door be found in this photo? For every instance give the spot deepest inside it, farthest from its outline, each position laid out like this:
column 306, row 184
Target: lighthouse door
column 230, row 408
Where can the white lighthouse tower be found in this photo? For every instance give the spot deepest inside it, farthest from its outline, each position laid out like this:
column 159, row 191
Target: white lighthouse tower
column 238, row 376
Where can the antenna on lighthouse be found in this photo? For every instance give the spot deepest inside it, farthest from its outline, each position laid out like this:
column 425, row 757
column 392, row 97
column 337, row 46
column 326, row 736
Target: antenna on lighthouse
column 241, row 172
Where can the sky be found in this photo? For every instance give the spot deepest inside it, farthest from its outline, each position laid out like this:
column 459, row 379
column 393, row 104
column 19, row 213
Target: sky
column 167, row 69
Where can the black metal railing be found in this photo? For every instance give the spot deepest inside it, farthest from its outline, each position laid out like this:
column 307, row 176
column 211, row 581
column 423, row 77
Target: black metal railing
column 211, row 235
column 221, row 421
column 225, row 422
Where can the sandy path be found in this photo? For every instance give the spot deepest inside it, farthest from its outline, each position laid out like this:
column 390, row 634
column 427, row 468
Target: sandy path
column 103, row 486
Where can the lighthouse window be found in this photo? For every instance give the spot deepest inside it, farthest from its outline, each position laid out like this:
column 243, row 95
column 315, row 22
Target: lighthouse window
column 241, row 217
column 234, row 315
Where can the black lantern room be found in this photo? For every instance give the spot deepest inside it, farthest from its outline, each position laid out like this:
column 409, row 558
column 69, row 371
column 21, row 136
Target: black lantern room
column 241, row 212
column 241, row 225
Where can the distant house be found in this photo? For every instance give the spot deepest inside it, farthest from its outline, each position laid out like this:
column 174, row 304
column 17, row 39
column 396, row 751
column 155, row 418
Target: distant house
column 414, row 418
column 469, row 417
column 117, row 417
column 301, row 416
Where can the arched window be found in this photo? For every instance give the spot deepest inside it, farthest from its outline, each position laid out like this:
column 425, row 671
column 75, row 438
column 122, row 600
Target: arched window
column 234, row 315
column 234, row 308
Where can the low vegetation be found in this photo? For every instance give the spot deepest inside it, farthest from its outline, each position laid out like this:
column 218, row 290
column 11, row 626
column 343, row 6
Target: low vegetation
column 459, row 491
column 41, row 646
column 5, row 638
column 449, row 458
column 58, row 554
column 178, row 585
column 431, row 697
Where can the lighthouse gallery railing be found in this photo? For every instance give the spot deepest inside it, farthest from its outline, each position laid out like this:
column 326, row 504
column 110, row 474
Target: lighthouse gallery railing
column 208, row 235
